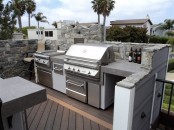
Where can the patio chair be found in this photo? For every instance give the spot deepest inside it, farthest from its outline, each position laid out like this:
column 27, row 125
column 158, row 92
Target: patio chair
column 1, row 122
column 29, row 59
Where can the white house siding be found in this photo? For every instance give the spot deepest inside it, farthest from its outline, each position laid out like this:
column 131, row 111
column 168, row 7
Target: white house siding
column 32, row 34
column 148, row 26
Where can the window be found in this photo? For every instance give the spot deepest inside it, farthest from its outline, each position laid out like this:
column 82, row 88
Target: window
column 39, row 32
column 48, row 33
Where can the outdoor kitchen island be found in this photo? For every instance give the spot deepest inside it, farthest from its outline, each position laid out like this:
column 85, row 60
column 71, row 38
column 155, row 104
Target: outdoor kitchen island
column 17, row 95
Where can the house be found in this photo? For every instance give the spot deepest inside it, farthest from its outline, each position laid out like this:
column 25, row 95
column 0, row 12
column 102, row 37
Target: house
column 44, row 34
column 51, row 34
column 156, row 30
column 144, row 23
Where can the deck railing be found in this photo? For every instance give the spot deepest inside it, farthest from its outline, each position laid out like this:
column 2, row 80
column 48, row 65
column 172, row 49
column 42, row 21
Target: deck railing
column 167, row 114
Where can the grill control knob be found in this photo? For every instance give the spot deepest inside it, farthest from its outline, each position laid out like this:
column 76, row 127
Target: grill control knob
column 73, row 69
column 69, row 68
column 89, row 72
column 78, row 70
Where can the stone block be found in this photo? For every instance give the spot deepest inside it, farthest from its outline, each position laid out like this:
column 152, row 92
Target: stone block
column 117, row 55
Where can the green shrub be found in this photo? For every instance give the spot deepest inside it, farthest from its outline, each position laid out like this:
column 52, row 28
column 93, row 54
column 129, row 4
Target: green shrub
column 127, row 34
column 157, row 39
column 171, row 65
column 24, row 30
column 171, row 42
column 170, row 33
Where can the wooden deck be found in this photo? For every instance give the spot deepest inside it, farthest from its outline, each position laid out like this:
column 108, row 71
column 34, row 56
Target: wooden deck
column 61, row 112
column 50, row 115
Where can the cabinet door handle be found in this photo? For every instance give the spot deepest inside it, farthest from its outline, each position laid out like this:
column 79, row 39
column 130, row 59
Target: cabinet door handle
column 159, row 95
column 143, row 115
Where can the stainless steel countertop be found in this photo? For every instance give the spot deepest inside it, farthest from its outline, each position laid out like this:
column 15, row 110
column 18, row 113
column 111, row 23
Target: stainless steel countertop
column 58, row 59
column 18, row 94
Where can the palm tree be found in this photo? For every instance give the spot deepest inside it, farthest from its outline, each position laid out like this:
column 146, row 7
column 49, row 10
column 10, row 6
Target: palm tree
column 40, row 18
column 30, row 6
column 54, row 24
column 96, row 8
column 168, row 24
column 106, row 7
column 19, row 10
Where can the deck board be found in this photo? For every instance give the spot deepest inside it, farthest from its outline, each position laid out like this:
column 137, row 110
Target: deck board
column 72, row 120
column 65, row 117
column 32, row 116
column 106, row 115
column 29, row 111
column 87, row 124
column 51, row 117
column 38, row 116
column 58, row 118
column 94, row 126
column 79, row 122
column 45, row 115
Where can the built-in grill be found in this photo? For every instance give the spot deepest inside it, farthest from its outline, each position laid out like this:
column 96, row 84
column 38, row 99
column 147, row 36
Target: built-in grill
column 43, row 66
column 84, row 61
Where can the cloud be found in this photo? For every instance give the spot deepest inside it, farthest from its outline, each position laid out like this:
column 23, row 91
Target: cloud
column 80, row 10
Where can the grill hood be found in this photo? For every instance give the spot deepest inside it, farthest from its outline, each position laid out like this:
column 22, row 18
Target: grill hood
column 100, row 53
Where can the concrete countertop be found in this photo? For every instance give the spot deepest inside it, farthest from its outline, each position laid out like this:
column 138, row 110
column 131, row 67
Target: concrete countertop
column 18, row 94
column 58, row 59
column 132, row 72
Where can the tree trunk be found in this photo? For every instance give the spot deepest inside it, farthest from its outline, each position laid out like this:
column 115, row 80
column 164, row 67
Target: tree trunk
column 98, row 19
column 38, row 30
column 29, row 19
column 38, row 24
column 104, row 29
column 20, row 23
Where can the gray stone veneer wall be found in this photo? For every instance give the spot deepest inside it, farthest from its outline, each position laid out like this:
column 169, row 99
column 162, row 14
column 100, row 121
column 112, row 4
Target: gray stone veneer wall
column 12, row 54
column 121, row 49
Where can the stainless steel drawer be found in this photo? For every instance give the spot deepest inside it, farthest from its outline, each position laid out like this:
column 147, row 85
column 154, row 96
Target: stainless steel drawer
column 45, row 77
column 58, row 68
column 76, row 89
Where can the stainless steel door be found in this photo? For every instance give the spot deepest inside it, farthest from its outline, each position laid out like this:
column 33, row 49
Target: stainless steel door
column 59, row 79
column 77, row 89
column 45, row 77
column 94, row 94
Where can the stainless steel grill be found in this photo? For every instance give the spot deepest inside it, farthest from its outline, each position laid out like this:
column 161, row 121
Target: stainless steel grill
column 86, row 59
column 82, row 65
column 43, row 66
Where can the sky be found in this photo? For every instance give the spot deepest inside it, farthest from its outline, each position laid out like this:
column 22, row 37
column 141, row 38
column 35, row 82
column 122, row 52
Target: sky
column 81, row 11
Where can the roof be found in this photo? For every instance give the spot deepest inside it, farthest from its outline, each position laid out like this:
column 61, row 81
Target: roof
column 130, row 21
column 89, row 23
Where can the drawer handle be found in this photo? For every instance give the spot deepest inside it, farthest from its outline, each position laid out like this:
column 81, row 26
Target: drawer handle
column 159, row 95
column 74, row 83
column 143, row 115
column 58, row 69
